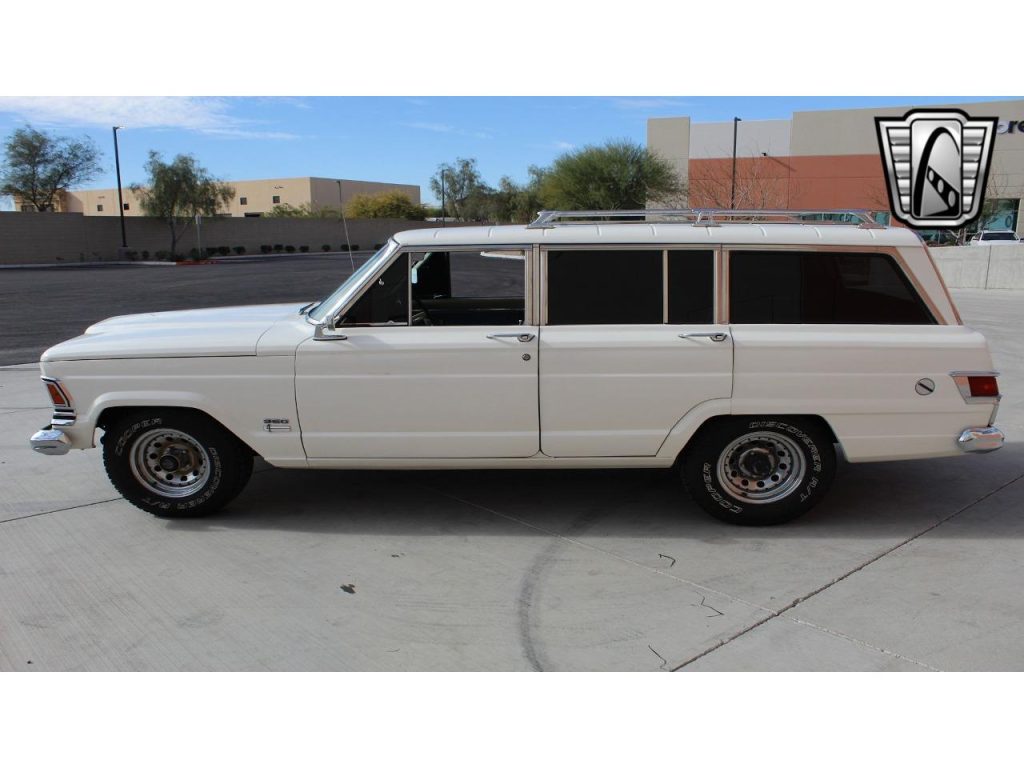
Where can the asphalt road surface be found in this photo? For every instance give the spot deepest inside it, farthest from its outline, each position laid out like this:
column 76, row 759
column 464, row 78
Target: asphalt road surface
column 41, row 307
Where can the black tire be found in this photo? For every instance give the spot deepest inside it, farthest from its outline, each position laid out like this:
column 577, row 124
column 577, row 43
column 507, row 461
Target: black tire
column 741, row 471
column 212, row 465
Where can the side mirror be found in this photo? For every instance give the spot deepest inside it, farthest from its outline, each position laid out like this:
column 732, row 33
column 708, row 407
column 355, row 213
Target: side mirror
column 327, row 331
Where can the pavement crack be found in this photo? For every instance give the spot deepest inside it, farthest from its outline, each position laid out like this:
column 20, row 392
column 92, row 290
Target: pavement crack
column 664, row 661
column 62, row 509
column 842, row 578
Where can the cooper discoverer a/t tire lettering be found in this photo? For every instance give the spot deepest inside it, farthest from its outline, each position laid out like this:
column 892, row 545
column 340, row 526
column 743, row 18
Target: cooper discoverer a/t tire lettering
column 175, row 463
column 758, row 471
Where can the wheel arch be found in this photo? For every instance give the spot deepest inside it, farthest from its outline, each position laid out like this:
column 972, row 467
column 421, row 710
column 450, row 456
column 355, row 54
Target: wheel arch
column 111, row 414
column 710, row 421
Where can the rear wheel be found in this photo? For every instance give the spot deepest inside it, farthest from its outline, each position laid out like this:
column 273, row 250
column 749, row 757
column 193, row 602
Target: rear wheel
column 760, row 470
column 175, row 463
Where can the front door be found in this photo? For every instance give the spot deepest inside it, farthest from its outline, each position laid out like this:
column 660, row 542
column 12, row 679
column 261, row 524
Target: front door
column 629, row 345
column 438, row 361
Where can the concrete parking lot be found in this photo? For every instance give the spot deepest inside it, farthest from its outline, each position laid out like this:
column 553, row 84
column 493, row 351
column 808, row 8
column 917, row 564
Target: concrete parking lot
column 906, row 566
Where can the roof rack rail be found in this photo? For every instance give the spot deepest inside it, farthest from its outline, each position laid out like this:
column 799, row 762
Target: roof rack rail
column 707, row 217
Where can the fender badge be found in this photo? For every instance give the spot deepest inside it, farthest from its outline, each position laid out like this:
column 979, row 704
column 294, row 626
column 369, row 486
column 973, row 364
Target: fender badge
column 277, row 425
column 924, row 387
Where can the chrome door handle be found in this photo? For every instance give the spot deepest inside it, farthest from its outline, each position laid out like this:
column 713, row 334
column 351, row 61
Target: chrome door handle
column 523, row 337
column 713, row 335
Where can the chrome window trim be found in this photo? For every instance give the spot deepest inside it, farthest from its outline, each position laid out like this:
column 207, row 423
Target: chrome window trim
column 713, row 248
column 345, row 301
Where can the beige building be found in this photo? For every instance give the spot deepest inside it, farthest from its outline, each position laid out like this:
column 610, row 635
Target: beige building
column 252, row 198
column 824, row 159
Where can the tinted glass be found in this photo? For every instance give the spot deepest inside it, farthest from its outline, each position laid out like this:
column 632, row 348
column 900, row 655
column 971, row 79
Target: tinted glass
column 999, row 236
column 387, row 298
column 621, row 287
column 691, row 287
column 825, row 287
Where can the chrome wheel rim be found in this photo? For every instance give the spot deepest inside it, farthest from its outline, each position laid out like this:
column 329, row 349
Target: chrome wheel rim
column 169, row 462
column 761, row 467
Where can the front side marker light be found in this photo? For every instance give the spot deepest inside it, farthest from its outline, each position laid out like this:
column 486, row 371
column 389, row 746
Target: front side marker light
column 57, row 394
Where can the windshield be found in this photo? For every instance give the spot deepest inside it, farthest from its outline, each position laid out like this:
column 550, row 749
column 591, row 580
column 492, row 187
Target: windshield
column 344, row 291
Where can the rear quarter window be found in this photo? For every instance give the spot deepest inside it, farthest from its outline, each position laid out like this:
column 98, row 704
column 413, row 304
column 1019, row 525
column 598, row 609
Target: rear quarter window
column 825, row 287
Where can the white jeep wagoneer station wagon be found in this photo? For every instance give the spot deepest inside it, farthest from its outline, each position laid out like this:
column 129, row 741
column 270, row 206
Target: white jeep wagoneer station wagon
column 741, row 346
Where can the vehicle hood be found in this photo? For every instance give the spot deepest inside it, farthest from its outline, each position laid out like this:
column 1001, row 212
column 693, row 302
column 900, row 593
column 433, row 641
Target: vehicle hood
column 218, row 332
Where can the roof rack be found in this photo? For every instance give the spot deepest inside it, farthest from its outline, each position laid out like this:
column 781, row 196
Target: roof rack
column 707, row 217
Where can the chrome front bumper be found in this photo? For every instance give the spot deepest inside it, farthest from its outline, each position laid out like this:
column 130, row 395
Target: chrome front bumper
column 980, row 439
column 50, row 441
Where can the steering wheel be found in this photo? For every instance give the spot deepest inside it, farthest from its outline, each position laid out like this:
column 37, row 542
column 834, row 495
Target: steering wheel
column 427, row 319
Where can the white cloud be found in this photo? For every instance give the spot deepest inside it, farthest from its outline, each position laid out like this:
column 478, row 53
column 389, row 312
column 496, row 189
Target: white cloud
column 647, row 103
column 445, row 128
column 209, row 116
column 564, row 145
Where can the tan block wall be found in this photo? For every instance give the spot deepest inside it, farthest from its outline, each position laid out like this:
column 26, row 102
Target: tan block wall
column 49, row 238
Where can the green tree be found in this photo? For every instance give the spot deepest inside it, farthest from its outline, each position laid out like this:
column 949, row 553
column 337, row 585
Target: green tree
column 384, row 205
column 38, row 166
column 614, row 176
column 459, row 187
column 179, row 191
column 303, row 211
column 514, row 203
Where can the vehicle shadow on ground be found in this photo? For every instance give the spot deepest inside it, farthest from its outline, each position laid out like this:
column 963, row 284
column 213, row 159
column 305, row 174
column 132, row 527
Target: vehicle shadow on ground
column 876, row 500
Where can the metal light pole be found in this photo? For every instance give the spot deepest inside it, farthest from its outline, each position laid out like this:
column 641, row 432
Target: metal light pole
column 344, row 223
column 732, row 194
column 120, row 198
column 442, row 199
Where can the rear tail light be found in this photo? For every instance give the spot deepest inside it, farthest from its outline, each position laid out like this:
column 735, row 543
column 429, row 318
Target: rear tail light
column 57, row 394
column 983, row 386
column 980, row 386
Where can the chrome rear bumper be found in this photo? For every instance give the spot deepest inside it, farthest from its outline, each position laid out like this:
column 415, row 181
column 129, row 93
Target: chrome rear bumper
column 51, row 442
column 980, row 439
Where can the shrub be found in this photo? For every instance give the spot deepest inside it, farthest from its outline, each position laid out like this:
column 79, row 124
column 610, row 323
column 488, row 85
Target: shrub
column 265, row 249
column 132, row 255
column 303, row 249
column 145, row 255
column 239, row 249
column 223, row 250
column 177, row 257
column 290, row 248
column 163, row 255
column 325, row 248
column 378, row 246
column 194, row 254
column 278, row 247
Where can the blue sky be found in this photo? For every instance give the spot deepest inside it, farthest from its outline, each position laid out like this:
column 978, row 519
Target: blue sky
column 396, row 139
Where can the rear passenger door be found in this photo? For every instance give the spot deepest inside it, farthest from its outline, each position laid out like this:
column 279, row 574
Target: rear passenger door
column 629, row 344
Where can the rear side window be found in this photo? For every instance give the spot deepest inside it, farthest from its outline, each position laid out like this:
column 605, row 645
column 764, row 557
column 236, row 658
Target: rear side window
column 821, row 287
column 600, row 287
column 691, row 287
column 627, row 287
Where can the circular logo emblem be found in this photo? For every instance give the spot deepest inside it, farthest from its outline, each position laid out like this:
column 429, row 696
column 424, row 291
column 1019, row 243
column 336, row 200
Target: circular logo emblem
column 924, row 387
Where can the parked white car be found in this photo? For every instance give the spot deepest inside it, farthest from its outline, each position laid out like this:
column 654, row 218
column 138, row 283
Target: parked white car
column 994, row 237
column 742, row 347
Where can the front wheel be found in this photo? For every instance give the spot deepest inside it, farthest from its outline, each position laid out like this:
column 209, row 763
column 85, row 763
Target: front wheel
column 175, row 463
column 760, row 470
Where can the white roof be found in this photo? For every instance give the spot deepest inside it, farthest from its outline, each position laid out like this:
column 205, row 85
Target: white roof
column 670, row 233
